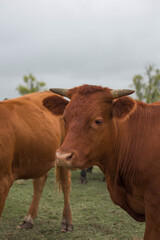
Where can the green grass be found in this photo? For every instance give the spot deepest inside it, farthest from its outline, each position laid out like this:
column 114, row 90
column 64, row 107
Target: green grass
column 95, row 217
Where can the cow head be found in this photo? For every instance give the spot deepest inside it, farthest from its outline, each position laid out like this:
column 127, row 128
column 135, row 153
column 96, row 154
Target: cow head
column 90, row 121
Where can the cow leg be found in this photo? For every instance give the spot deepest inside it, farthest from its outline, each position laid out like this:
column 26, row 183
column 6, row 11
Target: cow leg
column 152, row 209
column 65, row 181
column 5, row 184
column 38, row 185
column 83, row 176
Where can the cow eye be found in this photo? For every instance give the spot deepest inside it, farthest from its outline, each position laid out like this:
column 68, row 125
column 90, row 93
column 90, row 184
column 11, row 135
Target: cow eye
column 98, row 122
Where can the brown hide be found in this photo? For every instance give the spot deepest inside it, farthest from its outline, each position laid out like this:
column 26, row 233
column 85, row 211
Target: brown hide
column 26, row 131
column 121, row 137
column 29, row 137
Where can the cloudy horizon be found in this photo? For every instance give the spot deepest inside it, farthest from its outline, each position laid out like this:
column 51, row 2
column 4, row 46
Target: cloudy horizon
column 69, row 43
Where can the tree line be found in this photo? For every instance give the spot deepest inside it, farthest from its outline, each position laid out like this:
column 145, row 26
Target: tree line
column 147, row 85
column 31, row 84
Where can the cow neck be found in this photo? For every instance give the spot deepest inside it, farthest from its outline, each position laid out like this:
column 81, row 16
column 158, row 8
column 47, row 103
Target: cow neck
column 133, row 136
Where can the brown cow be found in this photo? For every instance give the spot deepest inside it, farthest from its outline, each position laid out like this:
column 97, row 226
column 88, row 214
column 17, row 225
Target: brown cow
column 122, row 137
column 29, row 137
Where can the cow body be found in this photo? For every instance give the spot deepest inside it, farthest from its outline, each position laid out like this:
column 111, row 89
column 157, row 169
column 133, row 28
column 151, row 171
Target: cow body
column 29, row 137
column 122, row 137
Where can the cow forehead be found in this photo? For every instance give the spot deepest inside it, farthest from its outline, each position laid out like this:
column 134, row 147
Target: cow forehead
column 86, row 106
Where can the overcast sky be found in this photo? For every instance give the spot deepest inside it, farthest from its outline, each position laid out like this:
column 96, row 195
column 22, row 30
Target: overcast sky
column 67, row 43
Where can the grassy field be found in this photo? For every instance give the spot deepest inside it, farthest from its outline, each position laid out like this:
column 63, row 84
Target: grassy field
column 95, row 217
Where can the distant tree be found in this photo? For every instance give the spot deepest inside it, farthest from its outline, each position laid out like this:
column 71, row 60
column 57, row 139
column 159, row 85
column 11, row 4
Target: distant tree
column 31, row 85
column 148, row 86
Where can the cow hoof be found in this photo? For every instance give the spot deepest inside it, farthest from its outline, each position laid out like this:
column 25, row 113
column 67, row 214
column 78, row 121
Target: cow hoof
column 70, row 228
column 83, row 181
column 66, row 227
column 26, row 225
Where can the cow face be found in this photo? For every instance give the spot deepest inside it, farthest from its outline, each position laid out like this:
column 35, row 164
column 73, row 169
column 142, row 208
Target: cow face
column 85, row 130
column 90, row 124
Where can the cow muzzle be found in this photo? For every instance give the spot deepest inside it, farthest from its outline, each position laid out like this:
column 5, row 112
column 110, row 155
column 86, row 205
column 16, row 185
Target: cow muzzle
column 64, row 159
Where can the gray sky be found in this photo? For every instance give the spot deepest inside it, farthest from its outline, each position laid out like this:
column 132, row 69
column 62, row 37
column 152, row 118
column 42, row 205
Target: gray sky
column 67, row 43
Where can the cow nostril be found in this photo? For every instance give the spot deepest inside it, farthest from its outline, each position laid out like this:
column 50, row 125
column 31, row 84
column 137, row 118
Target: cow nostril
column 64, row 156
column 69, row 157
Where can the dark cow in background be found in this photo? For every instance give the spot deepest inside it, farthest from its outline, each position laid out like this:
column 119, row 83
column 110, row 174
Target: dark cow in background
column 29, row 137
column 83, row 174
column 122, row 136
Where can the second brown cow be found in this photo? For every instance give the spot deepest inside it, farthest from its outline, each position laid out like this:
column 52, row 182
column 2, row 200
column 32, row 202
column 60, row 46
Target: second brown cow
column 29, row 137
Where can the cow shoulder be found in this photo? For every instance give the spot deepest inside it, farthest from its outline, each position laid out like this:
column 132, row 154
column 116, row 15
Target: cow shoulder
column 55, row 104
column 123, row 107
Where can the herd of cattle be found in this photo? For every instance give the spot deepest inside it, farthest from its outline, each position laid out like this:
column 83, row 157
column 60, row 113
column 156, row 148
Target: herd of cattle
column 98, row 126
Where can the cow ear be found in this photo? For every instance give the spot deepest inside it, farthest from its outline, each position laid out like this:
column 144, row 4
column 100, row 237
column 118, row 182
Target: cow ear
column 123, row 107
column 55, row 104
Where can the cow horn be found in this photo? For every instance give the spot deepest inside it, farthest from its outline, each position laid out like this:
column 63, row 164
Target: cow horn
column 121, row 92
column 60, row 91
